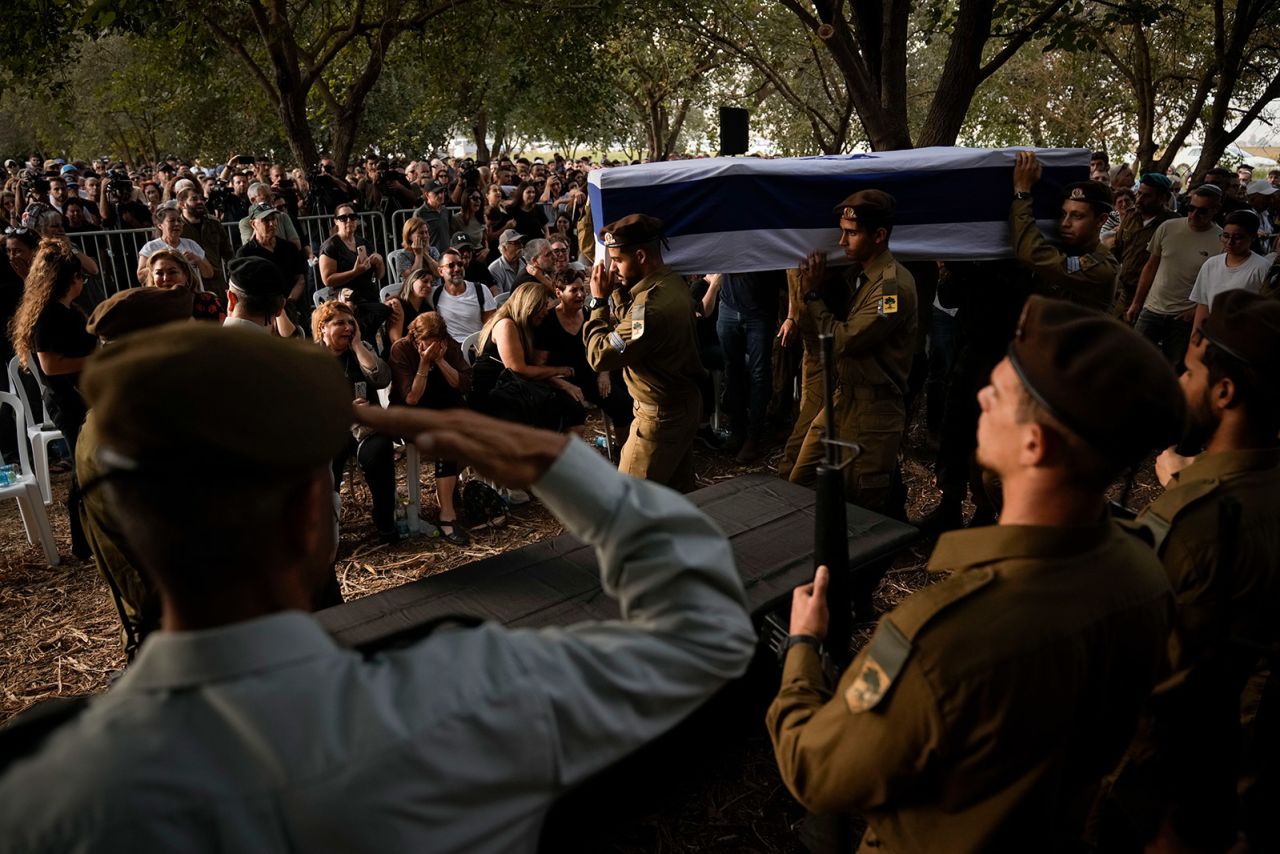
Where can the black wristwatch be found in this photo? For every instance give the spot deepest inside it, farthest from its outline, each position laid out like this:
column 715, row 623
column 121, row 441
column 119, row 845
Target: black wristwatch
column 806, row 640
column 597, row 302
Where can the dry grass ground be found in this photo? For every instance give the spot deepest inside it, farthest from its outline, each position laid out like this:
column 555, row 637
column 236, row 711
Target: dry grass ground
column 60, row 636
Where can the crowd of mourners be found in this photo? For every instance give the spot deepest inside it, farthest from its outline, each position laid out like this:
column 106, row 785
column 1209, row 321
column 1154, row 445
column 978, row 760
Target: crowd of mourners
column 1001, row 709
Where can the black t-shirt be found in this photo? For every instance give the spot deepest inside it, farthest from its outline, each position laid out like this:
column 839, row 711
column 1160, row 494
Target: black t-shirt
column 564, row 348
column 365, row 289
column 286, row 257
column 529, row 223
column 61, row 329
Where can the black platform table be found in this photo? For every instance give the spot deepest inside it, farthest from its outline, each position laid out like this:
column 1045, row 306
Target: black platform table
column 769, row 523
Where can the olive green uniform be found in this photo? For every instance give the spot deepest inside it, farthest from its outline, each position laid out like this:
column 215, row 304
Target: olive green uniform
column 873, row 348
column 987, row 706
column 810, row 374
column 648, row 332
column 1189, row 746
column 1130, row 249
column 136, row 596
column 1087, row 279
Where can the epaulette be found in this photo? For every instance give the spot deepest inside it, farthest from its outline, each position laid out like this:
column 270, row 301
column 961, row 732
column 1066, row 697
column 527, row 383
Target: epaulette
column 1158, row 518
column 890, row 646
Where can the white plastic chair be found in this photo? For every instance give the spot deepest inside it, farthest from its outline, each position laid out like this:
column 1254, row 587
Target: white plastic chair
column 413, row 481
column 39, row 435
column 391, row 290
column 502, row 297
column 27, row 491
column 323, row 295
column 469, row 345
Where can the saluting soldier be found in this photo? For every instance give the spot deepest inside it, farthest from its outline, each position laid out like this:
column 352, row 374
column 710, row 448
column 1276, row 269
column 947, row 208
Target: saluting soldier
column 986, row 707
column 874, row 344
column 1083, row 271
column 645, row 326
column 1217, row 533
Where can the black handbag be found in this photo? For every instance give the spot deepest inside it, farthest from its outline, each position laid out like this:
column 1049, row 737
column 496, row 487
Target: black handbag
column 520, row 399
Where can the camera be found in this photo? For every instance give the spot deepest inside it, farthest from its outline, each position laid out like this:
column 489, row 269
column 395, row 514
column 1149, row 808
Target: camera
column 219, row 197
column 33, row 183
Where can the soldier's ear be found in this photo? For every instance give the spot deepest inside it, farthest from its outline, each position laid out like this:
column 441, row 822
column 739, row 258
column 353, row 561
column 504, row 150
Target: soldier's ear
column 1223, row 393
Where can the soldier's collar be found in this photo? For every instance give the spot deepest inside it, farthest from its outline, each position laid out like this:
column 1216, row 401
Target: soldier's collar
column 977, row 546
column 1227, row 463
column 650, row 280
column 878, row 265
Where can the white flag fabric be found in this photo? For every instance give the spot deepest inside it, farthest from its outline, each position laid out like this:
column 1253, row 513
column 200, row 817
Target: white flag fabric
column 743, row 214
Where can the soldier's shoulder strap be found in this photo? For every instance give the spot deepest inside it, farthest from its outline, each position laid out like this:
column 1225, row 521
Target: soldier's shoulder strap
column 1154, row 523
column 890, row 646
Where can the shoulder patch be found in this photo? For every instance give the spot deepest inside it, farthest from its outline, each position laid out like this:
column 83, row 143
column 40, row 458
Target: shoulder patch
column 637, row 320
column 885, row 656
column 616, row 342
column 1088, row 262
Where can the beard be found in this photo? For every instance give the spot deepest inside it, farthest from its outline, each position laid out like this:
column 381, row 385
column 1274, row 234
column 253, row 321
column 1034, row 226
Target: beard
column 1201, row 425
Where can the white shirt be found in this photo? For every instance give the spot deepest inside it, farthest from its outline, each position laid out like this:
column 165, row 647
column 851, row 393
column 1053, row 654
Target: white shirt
column 185, row 244
column 265, row 736
column 461, row 315
column 1215, row 277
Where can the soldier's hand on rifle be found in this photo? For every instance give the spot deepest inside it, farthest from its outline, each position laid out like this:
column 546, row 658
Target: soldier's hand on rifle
column 809, row 606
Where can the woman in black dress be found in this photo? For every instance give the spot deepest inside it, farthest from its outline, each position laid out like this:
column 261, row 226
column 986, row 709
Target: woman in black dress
column 529, row 215
column 49, row 327
column 347, row 260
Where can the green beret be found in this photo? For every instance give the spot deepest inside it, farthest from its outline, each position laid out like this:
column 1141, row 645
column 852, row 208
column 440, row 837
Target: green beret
column 1246, row 326
column 872, row 207
column 1094, row 192
column 633, row 230
column 1157, row 181
column 139, row 308
column 1098, row 378
column 277, row 404
column 257, row 277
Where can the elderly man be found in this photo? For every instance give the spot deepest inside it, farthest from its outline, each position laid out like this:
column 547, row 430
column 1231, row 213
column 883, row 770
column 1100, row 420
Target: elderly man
column 243, row 726
column 508, row 265
column 262, row 194
column 1082, row 271
column 266, row 244
column 986, row 707
column 539, row 265
column 641, row 320
column 874, row 324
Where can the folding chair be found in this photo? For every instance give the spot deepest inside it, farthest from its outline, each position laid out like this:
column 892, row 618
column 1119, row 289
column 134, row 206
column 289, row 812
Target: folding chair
column 39, row 435
column 27, row 491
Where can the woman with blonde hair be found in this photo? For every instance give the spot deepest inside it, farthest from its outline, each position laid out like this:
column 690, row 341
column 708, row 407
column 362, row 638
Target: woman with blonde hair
column 415, row 252
column 51, row 327
column 168, row 268
column 507, row 381
column 429, row 370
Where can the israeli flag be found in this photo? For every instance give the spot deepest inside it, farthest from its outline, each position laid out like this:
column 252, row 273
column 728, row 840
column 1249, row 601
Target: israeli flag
column 742, row 214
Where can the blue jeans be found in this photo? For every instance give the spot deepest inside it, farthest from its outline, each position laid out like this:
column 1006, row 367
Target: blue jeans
column 748, row 371
column 1167, row 332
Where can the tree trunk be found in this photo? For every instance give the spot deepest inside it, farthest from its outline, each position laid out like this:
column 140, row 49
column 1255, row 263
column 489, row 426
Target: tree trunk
column 480, row 135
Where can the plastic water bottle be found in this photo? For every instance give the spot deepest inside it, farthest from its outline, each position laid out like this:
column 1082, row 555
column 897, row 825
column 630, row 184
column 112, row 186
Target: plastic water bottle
column 601, row 442
column 8, row 475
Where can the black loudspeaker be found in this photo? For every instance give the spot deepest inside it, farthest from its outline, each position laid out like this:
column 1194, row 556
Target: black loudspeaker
column 733, row 131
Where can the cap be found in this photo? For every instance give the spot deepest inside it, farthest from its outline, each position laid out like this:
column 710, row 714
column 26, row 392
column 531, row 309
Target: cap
column 631, row 230
column 1157, row 181
column 1212, row 189
column 136, row 309
column 462, row 240
column 262, row 210
column 257, row 277
column 68, row 168
column 510, row 236
column 1261, row 187
column 435, row 187
column 285, row 405
column 1098, row 378
column 10, row 163
column 1247, row 326
column 183, row 184
column 874, row 207
column 1092, row 192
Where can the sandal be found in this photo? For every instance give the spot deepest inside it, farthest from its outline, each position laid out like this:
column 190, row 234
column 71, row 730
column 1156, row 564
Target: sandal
column 457, row 534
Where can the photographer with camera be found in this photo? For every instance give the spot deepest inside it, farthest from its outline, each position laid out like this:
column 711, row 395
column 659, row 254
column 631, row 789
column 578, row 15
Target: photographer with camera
column 326, row 190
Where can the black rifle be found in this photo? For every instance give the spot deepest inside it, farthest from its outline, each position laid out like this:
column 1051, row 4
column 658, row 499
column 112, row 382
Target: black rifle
column 830, row 527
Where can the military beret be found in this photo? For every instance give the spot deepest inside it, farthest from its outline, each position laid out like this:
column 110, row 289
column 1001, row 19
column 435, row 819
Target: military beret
column 873, row 206
column 139, row 308
column 282, row 404
column 1098, row 378
column 632, row 230
column 257, row 277
column 1093, row 192
column 1157, row 181
column 1247, row 327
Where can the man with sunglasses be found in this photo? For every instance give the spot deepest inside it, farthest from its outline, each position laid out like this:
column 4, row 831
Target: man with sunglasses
column 1237, row 267
column 1161, row 309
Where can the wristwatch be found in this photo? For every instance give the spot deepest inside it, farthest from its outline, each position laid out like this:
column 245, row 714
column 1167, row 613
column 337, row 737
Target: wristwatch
column 1022, row 195
column 597, row 302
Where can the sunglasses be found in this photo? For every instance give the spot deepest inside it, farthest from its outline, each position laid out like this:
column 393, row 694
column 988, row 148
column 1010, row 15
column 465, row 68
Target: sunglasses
column 22, row 229
column 345, row 217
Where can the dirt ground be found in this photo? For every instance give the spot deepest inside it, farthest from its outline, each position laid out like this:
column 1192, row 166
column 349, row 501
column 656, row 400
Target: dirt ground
column 60, row 636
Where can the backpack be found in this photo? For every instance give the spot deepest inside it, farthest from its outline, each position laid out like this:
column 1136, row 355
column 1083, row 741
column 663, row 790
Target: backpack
column 482, row 505
column 435, row 299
